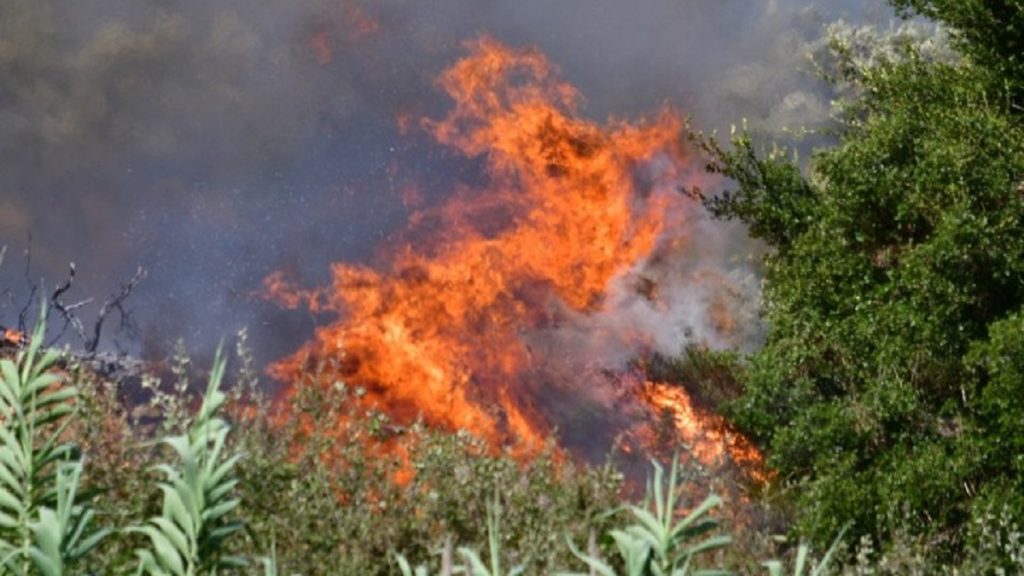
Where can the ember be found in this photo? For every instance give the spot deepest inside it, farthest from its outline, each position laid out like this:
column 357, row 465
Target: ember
column 12, row 338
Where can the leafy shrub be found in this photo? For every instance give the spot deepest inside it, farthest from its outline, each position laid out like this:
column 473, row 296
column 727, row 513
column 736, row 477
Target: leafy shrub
column 897, row 252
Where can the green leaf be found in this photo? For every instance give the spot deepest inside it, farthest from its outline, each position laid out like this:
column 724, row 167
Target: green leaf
column 167, row 556
column 174, row 535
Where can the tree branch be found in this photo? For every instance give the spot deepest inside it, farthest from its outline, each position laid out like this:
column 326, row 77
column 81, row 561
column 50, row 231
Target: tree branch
column 114, row 303
column 33, row 288
column 66, row 310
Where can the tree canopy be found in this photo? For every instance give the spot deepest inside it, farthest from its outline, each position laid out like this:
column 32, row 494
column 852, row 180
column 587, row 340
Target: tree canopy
column 892, row 377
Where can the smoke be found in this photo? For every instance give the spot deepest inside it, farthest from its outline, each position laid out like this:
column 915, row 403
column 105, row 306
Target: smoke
column 213, row 141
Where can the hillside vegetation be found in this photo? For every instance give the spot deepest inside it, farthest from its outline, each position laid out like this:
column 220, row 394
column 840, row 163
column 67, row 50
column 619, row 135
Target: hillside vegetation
column 888, row 396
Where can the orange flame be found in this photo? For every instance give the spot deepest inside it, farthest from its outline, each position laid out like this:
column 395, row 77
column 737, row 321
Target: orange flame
column 570, row 206
column 11, row 337
column 708, row 436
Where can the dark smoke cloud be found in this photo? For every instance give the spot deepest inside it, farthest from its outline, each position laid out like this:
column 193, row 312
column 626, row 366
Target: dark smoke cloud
column 213, row 141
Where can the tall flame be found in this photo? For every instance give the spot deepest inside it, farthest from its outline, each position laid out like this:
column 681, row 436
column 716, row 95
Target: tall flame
column 570, row 209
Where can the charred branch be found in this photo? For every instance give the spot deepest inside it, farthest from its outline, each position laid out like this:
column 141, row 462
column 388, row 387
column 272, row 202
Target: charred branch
column 33, row 288
column 67, row 311
column 115, row 303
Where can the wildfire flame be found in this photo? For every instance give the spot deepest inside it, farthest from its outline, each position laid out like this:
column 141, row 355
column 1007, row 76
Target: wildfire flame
column 708, row 436
column 570, row 208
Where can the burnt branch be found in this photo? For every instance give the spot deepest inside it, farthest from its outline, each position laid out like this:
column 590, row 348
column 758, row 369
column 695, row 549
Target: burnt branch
column 23, row 313
column 67, row 310
column 32, row 288
column 115, row 303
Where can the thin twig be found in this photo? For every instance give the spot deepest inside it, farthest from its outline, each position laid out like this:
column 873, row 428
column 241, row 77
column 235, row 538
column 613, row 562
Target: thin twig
column 33, row 288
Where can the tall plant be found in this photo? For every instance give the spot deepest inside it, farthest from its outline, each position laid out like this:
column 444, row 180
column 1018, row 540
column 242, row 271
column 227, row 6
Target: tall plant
column 660, row 542
column 196, row 519
column 43, row 521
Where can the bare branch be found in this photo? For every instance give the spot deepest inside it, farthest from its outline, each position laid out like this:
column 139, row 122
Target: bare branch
column 115, row 303
column 33, row 288
column 67, row 311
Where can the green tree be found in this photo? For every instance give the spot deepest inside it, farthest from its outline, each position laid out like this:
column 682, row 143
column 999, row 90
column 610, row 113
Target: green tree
column 990, row 31
column 897, row 252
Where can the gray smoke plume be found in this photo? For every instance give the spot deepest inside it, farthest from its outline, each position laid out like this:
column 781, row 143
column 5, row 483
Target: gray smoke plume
column 214, row 141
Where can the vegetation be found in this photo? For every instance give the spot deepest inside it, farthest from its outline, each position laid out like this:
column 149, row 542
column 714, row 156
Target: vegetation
column 187, row 536
column 658, row 542
column 43, row 526
column 297, row 493
column 890, row 383
column 989, row 32
column 888, row 395
column 316, row 489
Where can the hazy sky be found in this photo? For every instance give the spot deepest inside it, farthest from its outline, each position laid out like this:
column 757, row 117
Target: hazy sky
column 214, row 141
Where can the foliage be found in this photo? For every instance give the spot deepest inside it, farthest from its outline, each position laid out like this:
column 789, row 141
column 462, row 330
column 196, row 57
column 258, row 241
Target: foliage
column 472, row 565
column 888, row 378
column 772, row 197
column 991, row 32
column 657, row 544
column 326, row 497
column 43, row 522
column 337, row 465
column 800, row 563
column 188, row 536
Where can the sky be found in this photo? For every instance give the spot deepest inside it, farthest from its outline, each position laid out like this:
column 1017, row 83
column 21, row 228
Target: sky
column 213, row 142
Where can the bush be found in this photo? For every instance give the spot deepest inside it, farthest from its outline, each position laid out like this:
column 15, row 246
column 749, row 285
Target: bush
column 889, row 378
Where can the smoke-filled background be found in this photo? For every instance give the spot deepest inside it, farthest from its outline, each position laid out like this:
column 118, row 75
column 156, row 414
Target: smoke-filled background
column 215, row 141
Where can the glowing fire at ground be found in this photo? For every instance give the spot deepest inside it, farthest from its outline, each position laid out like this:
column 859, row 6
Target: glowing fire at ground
column 570, row 207
column 708, row 436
